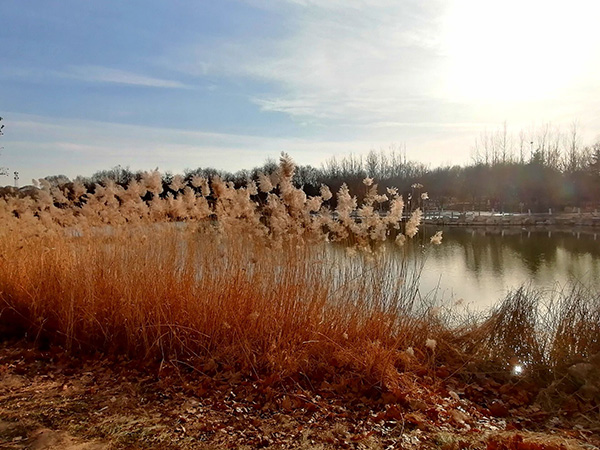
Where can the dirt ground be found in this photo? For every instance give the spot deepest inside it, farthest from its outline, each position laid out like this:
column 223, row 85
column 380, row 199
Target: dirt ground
column 50, row 400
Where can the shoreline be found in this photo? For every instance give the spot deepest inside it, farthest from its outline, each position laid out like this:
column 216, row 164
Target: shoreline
column 533, row 221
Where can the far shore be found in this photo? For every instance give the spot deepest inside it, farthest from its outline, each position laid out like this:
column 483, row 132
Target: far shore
column 533, row 220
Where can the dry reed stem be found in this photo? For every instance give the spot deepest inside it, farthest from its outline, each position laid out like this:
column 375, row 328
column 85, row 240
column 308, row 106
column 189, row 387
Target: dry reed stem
column 249, row 282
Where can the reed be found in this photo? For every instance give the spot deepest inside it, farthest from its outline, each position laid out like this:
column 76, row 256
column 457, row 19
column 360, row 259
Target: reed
column 167, row 292
column 258, row 279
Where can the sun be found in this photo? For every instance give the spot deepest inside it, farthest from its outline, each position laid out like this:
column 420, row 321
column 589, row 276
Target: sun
column 517, row 50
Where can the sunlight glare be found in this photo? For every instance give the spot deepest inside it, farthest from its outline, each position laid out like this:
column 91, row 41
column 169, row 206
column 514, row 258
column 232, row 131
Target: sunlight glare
column 517, row 50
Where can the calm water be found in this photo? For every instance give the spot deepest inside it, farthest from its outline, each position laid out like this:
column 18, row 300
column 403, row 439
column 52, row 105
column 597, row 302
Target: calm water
column 475, row 267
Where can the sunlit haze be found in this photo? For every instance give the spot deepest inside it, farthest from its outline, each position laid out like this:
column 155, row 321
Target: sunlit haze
column 85, row 86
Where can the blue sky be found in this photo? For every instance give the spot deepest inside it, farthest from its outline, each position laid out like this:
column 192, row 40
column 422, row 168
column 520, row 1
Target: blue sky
column 87, row 85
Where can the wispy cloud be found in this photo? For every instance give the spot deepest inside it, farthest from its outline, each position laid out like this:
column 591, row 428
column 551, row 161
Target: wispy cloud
column 474, row 126
column 101, row 74
column 356, row 62
column 340, row 61
column 39, row 146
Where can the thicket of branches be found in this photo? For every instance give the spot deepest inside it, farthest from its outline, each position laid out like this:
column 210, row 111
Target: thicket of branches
column 546, row 168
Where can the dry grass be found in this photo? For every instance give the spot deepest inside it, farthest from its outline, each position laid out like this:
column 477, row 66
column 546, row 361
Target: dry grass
column 251, row 284
column 178, row 293
column 542, row 331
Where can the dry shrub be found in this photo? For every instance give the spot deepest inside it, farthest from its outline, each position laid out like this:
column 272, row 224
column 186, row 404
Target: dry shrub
column 573, row 322
column 542, row 331
column 511, row 330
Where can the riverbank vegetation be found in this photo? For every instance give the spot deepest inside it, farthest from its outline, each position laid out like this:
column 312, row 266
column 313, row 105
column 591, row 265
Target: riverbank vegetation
column 250, row 275
column 271, row 286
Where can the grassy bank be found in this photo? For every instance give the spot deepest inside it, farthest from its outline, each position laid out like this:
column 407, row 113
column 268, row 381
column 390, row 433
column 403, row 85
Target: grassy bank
column 251, row 286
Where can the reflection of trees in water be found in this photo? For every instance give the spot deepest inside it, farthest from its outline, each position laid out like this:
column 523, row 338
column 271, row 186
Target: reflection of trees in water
column 486, row 249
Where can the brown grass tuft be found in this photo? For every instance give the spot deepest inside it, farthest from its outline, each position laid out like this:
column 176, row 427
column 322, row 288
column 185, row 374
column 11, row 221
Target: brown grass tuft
column 219, row 277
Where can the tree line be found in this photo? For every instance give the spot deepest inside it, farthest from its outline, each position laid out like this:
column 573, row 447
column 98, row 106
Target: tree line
column 532, row 171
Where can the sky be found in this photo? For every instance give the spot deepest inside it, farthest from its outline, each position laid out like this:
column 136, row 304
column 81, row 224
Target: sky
column 88, row 85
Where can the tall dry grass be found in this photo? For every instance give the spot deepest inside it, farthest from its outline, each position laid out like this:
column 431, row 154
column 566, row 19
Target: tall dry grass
column 217, row 276
column 260, row 279
column 543, row 331
column 181, row 294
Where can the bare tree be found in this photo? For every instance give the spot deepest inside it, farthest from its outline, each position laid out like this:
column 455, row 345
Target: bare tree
column 523, row 144
column 554, row 155
column 573, row 155
column 485, row 153
column 372, row 164
column 505, row 144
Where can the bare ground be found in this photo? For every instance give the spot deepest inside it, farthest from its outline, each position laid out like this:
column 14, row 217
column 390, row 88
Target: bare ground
column 50, row 400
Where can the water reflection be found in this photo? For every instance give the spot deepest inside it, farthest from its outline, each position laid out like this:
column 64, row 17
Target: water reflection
column 479, row 265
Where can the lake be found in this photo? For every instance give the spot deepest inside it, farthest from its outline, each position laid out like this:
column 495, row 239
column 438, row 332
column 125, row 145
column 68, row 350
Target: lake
column 477, row 266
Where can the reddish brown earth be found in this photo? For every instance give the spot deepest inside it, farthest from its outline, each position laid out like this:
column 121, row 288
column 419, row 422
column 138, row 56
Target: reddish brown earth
column 50, row 400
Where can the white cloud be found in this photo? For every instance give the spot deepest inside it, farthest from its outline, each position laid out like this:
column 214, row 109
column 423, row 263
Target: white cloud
column 39, row 146
column 354, row 62
column 100, row 74
column 349, row 61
